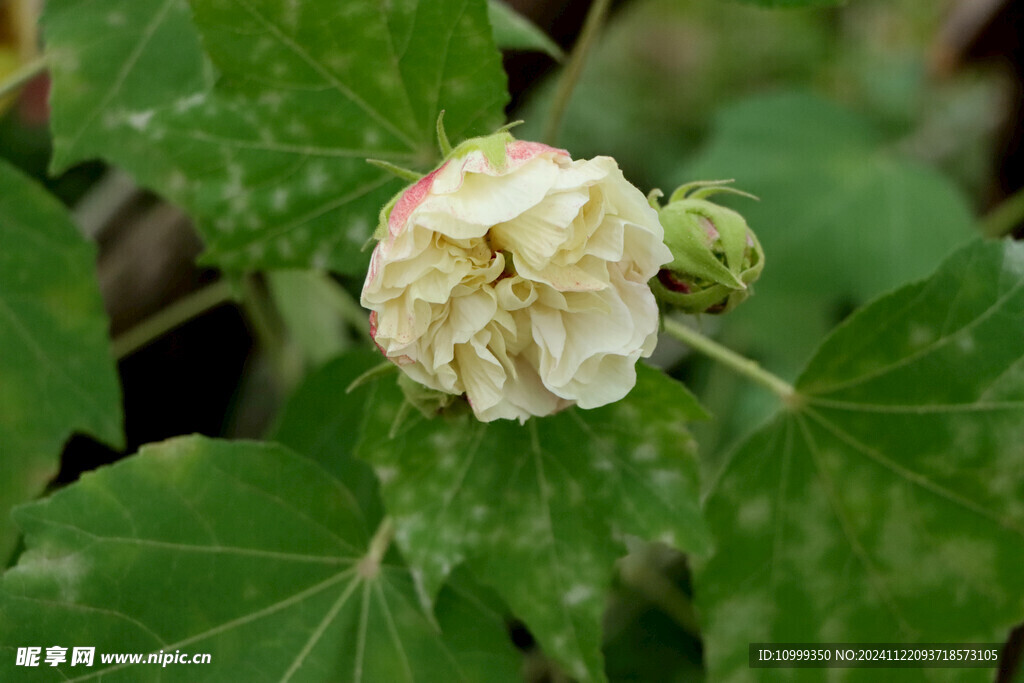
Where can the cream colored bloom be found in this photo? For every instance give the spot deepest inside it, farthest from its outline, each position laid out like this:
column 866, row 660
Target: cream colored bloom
column 518, row 277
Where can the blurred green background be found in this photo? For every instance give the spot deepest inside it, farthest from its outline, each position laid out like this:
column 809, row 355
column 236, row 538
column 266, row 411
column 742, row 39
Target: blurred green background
column 873, row 139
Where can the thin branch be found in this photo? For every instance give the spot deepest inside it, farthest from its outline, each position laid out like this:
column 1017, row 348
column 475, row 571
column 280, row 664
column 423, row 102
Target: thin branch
column 591, row 27
column 1002, row 220
column 175, row 315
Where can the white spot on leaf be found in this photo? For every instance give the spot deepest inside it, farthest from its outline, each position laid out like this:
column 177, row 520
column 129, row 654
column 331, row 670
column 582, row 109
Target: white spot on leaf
column 140, row 120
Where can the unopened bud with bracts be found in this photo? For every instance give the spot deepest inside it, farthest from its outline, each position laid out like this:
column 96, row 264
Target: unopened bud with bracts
column 716, row 256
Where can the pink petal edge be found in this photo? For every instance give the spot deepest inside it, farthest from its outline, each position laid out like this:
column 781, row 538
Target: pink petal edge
column 409, row 200
column 518, row 153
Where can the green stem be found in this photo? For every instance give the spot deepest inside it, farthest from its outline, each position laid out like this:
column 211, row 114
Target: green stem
column 660, row 590
column 733, row 360
column 178, row 313
column 260, row 313
column 1005, row 217
column 23, row 75
column 269, row 331
column 595, row 19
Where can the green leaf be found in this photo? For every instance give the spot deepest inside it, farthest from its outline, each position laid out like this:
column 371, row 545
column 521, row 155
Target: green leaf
column 241, row 550
column 323, row 422
column 841, row 218
column 513, row 31
column 791, row 3
column 272, row 160
column 57, row 375
column 538, row 511
column 149, row 56
column 886, row 507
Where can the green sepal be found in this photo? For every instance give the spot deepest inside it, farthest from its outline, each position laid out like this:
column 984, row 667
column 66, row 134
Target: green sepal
column 399, row 172
column 715, row 299
column 442, row 137
column 687, row 189
column 654, row 198
column 690, row 244
column 376, row 372
column 733, row 233
column 491, row 146
column 385, row 214
column 429, row 402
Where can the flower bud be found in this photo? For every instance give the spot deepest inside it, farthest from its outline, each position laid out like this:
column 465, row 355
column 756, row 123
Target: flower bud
column 716, row 256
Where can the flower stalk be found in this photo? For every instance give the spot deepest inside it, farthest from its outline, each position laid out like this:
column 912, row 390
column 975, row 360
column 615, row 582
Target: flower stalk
column 740, row 364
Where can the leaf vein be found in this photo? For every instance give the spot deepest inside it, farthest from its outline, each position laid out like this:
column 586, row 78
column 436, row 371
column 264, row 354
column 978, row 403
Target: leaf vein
column 922, row 409
column 909, row 475
column 277, row 500
column 290, row 148
column 133, row 57
column 392, row 631
column 326, row 74
column 318, row 633
column 874, row 576
column 938, row 343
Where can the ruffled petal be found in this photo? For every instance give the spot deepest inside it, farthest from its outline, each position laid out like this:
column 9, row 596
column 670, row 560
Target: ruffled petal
column 522, row 285
column 536, row 235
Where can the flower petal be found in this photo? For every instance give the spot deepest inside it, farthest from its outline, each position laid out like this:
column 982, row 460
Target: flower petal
column 520, row 282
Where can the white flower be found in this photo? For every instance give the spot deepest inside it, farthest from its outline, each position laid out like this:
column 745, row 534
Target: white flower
column 518, row 276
